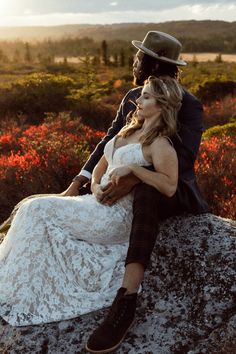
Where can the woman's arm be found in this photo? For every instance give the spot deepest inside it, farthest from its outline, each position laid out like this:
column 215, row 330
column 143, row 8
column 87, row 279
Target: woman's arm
column 97, row 174
column 165, row 162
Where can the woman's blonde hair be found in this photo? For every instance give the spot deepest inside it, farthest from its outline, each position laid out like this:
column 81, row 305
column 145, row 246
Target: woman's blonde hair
column 168, row 94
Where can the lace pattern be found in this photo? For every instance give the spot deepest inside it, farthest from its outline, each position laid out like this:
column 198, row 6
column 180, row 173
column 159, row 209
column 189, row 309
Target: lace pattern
column 64, row 256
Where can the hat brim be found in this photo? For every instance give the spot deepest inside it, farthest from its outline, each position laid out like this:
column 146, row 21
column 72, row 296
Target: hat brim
column 139, row 45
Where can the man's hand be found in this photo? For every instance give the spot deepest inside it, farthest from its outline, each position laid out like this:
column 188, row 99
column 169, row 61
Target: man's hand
column 74, row 187
column 111, row 193
column 117, row 173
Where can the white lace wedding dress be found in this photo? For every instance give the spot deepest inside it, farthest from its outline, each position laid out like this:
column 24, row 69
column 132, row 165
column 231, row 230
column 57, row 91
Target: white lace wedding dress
column 64, row 256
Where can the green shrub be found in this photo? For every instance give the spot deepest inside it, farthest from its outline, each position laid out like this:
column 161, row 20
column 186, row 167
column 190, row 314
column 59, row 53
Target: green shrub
column 220, row 131
column 35, row 95
column 220, row 112
column 215, row 90
column 96, row 114
column 60, row 68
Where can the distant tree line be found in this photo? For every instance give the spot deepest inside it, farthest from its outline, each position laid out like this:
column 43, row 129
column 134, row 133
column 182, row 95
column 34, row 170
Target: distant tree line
column 212, row 44
column 109, row 52
column 113, row 53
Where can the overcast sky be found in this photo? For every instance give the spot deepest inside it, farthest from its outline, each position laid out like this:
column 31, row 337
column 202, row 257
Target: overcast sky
column 56, row 12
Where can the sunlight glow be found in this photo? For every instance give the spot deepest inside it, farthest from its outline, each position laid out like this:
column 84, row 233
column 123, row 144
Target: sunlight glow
column 4, row 7
column 11, row 8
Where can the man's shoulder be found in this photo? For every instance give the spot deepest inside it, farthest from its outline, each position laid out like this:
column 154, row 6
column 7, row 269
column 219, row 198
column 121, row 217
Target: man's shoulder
column 133, row 93
column 191, row 108
column 188, row 97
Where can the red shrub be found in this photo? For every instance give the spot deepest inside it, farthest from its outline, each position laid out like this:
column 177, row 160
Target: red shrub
column 9, row 140
column 42, row 159
column 216, row 172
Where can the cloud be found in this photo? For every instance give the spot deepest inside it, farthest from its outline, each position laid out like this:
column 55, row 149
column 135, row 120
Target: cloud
column 212, row 12
column 114, row 12
column 113, row 3
column 102, row 6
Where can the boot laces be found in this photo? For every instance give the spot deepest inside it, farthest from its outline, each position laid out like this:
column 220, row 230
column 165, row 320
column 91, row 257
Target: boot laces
column 118, row 312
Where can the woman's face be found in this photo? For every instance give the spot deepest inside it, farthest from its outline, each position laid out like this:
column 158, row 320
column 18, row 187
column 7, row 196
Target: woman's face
column 147, row 105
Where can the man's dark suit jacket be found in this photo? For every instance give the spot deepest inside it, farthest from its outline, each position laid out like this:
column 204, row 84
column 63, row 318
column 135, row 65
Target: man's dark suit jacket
column 186, row 144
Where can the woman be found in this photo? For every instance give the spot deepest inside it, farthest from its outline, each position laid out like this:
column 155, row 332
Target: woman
column 63, row 256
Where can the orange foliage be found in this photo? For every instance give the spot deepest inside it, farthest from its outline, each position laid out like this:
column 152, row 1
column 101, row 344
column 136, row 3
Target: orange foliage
column 216, row 172
column 42, row 159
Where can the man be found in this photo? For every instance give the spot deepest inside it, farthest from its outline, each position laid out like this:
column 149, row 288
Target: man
column 157, row 55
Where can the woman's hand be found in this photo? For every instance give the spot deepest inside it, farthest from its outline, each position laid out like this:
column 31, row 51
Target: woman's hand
column 97, row 191
column 118, row 172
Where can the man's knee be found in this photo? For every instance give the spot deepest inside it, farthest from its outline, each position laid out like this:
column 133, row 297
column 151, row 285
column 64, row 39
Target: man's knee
column 144, row 191
column 148, row 199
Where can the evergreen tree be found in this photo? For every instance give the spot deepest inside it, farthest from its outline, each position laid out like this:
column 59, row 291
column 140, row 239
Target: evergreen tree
column 122, row 57
column 45, row 60
column 218, row 58
column 27, row 57
column 16, row 56
column 131, row 60
column 87, row 79
column 194, row 60
column 3, row 57
column 95, row 60
column 115, row 60
column 104, row 53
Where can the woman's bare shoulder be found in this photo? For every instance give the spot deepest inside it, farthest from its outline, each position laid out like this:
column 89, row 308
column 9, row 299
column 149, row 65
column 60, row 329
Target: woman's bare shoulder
column 162, row 142
column 162, row 148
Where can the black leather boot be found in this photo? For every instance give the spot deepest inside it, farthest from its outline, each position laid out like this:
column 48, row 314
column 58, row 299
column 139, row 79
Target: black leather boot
column 110, row 334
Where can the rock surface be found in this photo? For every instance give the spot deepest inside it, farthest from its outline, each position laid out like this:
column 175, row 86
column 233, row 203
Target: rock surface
column 187, row 304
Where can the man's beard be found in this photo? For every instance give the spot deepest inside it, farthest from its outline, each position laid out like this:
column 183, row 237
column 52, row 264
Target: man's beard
column 138, row 81
column 139, row 78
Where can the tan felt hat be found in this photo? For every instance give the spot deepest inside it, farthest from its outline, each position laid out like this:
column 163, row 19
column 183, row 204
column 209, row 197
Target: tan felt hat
column 161, row 46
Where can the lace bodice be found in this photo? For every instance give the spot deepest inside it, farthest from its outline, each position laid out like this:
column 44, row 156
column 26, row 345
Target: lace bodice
column 124, row 155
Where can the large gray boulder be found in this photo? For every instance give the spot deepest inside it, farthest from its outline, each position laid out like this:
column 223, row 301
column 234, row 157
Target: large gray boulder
column 187, row 304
